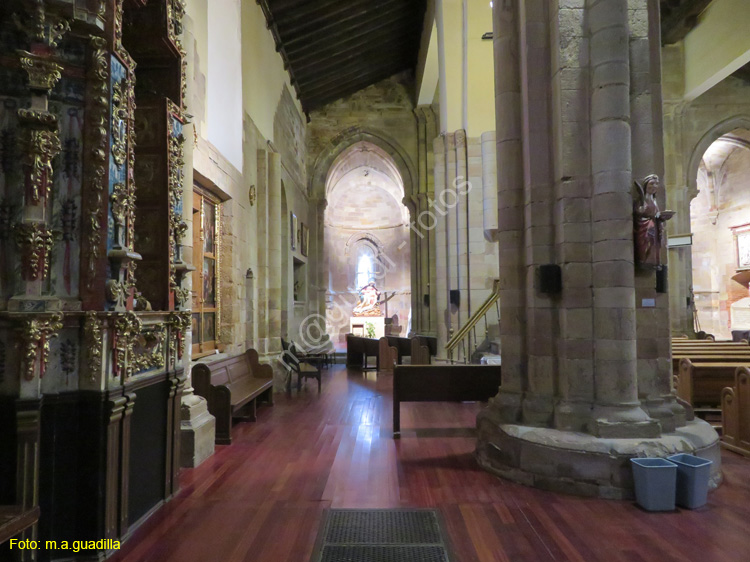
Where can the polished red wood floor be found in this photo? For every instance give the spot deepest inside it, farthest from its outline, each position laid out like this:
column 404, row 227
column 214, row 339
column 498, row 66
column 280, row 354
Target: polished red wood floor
column 262, row 498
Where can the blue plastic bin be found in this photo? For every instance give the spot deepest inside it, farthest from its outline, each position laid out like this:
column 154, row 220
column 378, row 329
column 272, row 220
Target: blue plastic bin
column 655, row 481
column 692, row 480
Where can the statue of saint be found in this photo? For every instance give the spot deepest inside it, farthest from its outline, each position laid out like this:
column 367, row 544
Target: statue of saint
column 648, row 228
column 368, row 301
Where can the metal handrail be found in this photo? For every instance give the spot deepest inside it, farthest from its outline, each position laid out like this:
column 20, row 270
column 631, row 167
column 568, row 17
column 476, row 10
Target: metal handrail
column 475, row 318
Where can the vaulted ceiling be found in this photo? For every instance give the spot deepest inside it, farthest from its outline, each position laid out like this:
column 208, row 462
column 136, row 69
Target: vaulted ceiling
column 333, row 48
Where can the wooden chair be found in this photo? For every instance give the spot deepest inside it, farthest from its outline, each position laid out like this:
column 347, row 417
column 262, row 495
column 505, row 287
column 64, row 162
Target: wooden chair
column 305, row 365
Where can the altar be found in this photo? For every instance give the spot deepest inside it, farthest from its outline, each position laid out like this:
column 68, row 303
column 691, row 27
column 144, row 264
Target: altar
column 358, row 326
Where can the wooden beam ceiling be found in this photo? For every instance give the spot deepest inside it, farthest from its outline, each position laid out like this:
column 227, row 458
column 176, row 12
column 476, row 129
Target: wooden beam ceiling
column 333, row 48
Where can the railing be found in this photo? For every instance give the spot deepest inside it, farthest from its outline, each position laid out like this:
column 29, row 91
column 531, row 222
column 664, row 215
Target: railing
column 467, row 335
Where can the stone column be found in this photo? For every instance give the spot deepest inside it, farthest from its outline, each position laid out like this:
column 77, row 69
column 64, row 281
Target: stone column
column 263, row 251
column 596, row 393
column 274, row 252
column 317, row 238
column 541, row 312
column 617, row 411
column 571, row 173
column 423, row 222
column 510, row 201
column 442, row 261
column 647, row 132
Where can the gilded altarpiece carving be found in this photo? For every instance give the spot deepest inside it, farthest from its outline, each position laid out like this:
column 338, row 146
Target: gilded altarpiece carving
column 92, row 374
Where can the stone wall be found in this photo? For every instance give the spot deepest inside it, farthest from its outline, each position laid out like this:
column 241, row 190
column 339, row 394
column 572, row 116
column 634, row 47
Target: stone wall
column 722, row 203
column 464, row 215
column 690, row 127
column 256, row 257
column 382, row 115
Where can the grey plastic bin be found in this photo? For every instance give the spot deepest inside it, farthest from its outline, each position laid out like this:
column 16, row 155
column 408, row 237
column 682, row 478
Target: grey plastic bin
column 692, row 479
column 655, row 481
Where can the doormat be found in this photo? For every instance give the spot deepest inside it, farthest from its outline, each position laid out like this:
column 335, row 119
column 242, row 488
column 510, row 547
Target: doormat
column 381, row 535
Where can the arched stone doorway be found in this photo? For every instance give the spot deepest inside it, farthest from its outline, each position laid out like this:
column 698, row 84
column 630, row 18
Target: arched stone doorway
column 366, row 238
column 720, row 224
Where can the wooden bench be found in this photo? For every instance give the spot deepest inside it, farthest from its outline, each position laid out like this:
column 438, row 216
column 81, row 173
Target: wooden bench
column 442, row 383
column 392, row 351
column 359, row 349
column 14, row 520
column 423, row 349
column 729, row 356
column 735, row 413
column 701, row 383
column 232, row 387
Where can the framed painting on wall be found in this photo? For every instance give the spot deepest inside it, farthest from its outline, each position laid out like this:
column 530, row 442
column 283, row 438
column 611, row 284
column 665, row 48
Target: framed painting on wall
column 304, row 243
column 293, row 228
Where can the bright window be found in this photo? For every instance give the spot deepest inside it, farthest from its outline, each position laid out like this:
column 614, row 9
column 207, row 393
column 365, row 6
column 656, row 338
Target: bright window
column 365, row 269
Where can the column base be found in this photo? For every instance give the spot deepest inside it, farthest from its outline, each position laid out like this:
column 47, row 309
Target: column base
column 572, row 416
column 197, row 431
column 623, row 421
column 582, row 464
column 538, row 409
column 507, row 406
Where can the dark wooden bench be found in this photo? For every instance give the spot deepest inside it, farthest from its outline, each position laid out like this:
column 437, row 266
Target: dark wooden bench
column 232, row 388
column 423, row 349
column 419, row 349
column 442, row 383
column 359, row 349
column 735, row 413
column 14, row 520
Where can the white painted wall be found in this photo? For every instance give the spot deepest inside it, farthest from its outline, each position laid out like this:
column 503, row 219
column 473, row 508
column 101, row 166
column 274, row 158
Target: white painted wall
column 224, row 84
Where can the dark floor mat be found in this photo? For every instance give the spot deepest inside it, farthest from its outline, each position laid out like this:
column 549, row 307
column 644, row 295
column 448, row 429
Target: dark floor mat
column 381, row 535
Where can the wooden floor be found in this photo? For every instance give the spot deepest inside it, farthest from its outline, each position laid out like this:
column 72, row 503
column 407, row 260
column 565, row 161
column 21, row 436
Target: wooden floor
column 262, row 498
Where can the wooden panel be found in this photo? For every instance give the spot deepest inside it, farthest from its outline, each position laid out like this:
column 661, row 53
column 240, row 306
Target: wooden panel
column 148, row 443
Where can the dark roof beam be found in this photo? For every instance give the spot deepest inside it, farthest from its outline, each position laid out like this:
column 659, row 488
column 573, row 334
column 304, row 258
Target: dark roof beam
column 349, row 44
column 342, row 11
column 365, row 34
column 362, row 24
column 362, row 57
column 336, row 74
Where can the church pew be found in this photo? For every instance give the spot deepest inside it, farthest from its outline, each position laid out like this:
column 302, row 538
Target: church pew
column 393, row 350
column 701, row 383
column 387, row 354
column 442, row 383
column 735, row 405
column 358, row 349
column 735, row 413
column 423, row 349
column 729, row 356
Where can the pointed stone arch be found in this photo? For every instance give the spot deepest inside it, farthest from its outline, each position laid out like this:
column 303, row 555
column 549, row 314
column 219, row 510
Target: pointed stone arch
column 353, row 135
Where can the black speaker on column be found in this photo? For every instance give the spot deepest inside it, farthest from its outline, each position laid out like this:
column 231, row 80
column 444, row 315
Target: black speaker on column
column 455, row 297
column 662, row 284
column 549, row 279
